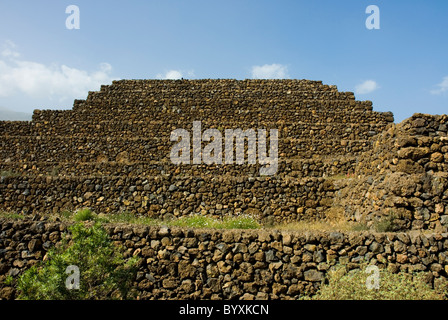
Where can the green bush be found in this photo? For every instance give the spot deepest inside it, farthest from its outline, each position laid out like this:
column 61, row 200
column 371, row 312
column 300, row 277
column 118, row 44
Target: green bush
column 103, row 271
column 352, row 285
column 84, row 215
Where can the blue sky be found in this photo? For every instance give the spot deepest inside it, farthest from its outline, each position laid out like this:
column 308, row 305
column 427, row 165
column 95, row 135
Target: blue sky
column 402, row 67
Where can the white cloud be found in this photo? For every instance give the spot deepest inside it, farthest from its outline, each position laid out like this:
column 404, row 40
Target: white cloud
column 175, row 75
column 270, row 71
column 366, row 87
column 172, row 74
column 54, row 82
column 443, row 86
column 9, row 49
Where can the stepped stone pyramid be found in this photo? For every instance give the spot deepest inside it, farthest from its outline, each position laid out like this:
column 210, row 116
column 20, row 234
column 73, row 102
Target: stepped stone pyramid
column 111, row 153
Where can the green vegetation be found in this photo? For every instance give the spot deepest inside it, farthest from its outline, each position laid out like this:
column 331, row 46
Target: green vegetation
column 103, row 271
column 196, row 221
column 11, row 215
column 9, row 280
column 386, row 224
column 243, row 222
column 191, row 221
column 199, row 221
column 84, row 215
column 352, row 285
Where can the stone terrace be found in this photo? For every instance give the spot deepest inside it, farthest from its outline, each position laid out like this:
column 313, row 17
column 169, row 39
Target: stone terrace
column 111, row 151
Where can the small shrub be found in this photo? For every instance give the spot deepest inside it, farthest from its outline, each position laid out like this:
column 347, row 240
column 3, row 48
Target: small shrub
column 104, row 273
column 84, row 215
column 351, row 285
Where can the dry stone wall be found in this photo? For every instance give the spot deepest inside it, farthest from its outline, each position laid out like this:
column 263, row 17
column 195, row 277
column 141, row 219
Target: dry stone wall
column 267, row 198
column 405, row 175
column 419, row 144
column 82, row 149
column 234, row 264
column 298, row 168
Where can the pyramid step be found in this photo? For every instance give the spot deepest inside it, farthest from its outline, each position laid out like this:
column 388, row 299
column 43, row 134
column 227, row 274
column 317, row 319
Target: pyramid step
column 144, row 129
column 158, row 195
column 317, row 167
column 269, row 115
column 68, row 148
